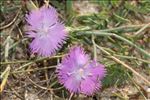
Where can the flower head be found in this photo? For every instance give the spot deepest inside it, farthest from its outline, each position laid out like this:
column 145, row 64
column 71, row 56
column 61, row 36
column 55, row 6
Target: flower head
column 79, row 74
column 47, row 31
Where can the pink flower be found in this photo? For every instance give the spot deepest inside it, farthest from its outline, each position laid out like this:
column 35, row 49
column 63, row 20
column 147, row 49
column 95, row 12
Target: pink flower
column 79, row 74
column 47, row 31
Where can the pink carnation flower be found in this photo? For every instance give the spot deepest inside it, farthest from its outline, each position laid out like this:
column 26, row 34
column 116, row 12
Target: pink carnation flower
column 47, row 31
column 79, row 74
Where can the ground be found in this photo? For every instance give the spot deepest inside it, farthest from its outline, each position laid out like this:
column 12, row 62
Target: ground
column 114, row 32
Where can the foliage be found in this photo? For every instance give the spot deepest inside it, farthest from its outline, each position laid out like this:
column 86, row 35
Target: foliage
column 120, row 27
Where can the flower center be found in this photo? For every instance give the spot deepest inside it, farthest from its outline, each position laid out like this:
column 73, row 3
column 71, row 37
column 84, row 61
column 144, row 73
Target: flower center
column 81, row 72
column 44, row 29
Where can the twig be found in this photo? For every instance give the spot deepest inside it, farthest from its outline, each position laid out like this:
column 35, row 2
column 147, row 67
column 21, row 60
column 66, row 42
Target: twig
column 120, row 96
column 71, row 96
column 40, row 59
column 6, row 73
column 131, row 57
column 122, row 63
column 7, row 48
column 4, row 76
column 143, row 28
column 46, row 74
column 31, row 70
column 44, row 88
column 31, row 5
column 133, row 81
column 94, row 46
column 16, row 43
column 15, row 92
column 20, row 32
column 9, row 24
column 13, row 62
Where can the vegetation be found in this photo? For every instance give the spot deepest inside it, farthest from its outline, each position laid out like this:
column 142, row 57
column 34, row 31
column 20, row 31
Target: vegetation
column 116, row 33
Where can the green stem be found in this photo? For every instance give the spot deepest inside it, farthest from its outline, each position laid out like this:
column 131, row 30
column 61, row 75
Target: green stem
column 12, row 62
column 119, row 37
column 131, row 57
column 35, row 69
column 40, row 59
column 129, row 28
